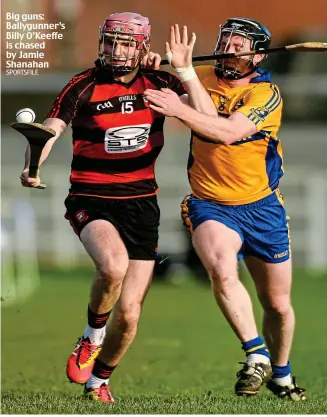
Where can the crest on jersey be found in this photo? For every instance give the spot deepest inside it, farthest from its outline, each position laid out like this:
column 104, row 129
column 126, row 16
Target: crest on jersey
column 260, row 112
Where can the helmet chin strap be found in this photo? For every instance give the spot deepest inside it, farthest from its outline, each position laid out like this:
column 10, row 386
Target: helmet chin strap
column 245, row 68
column 231, row 73
column 122, row 70
column 117, row 70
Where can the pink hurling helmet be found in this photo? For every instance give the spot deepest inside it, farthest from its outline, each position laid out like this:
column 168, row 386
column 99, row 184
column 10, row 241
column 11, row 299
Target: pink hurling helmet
column 131, row 28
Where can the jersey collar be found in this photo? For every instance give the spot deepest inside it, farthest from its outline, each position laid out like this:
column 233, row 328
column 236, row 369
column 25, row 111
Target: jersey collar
column 263, row 76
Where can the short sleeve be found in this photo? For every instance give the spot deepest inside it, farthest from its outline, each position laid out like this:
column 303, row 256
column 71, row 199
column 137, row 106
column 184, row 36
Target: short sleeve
column 65, row 105
column 263, row 106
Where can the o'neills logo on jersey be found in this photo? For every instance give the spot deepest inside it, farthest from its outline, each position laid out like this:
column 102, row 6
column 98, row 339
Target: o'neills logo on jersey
column 126, row 138
column 127, row 98
column 105, row 105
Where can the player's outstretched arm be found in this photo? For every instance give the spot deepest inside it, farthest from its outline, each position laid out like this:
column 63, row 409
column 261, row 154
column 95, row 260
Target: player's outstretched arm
column 219, row 129
column 58, row 126
column 179, row 52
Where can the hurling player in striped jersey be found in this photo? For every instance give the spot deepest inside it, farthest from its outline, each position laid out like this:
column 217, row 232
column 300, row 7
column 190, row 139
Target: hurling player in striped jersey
column 112, row 204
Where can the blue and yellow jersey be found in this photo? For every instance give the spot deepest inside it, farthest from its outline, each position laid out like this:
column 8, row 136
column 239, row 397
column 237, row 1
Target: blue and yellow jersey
column 249, row 169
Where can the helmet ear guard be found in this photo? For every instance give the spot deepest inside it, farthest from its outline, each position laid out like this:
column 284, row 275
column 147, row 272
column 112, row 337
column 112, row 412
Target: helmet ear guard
column 127, row 27
column 259, row 36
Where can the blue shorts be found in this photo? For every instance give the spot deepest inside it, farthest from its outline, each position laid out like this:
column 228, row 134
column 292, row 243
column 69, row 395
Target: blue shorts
column 262, row 225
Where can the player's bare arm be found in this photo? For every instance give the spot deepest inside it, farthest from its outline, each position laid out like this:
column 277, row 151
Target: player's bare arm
column 58, row 126
column 179, row 51
column 219, row 129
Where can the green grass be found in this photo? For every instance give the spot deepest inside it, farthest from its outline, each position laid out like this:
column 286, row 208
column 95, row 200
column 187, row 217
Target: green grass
column 183, row 360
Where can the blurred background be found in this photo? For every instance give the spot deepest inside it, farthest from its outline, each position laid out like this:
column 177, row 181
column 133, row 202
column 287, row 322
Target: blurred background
column 46, row 274
column 302, row 78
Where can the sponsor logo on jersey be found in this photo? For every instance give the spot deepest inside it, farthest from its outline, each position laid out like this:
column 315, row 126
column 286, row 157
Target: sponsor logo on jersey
column 126, row 138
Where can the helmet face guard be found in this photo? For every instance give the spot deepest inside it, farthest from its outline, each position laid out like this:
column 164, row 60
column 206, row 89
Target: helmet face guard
column 240, row 67
column 132, row 32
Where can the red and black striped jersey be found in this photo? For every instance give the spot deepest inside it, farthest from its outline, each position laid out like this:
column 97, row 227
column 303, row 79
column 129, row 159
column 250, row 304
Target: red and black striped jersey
column 116, row 137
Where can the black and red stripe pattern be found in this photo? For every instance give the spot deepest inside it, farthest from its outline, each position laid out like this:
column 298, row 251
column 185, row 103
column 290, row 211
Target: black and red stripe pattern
column 97, row 321
column 101, row 370
column 116, row 137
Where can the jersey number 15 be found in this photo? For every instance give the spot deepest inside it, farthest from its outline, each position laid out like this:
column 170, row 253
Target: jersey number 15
column 127, row 107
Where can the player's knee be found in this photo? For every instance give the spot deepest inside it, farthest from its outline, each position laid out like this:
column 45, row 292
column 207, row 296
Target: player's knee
column 223, row 274
column 129, row 317
column 278, row 307
column 113, row 272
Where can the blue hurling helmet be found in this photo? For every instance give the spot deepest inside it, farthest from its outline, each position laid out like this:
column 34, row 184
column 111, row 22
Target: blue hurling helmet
column 259, row 36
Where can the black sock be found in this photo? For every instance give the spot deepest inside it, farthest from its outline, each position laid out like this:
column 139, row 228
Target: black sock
column 101, row 370
column 96, row 321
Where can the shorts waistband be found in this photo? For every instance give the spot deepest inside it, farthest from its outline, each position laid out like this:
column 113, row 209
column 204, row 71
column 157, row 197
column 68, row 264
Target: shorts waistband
column 262, row 202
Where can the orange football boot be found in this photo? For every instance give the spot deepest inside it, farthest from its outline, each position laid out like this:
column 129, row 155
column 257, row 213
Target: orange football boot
column 81, row 361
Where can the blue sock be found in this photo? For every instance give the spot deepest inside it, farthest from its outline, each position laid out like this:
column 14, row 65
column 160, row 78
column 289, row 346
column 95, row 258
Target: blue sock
column 281, row 371
column 257, row 346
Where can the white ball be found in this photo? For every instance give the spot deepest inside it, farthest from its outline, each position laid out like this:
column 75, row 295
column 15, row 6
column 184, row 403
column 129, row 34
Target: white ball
column 25, row 116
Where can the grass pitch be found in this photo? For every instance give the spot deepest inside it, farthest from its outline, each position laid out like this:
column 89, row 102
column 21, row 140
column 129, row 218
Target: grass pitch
column 183, row 361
